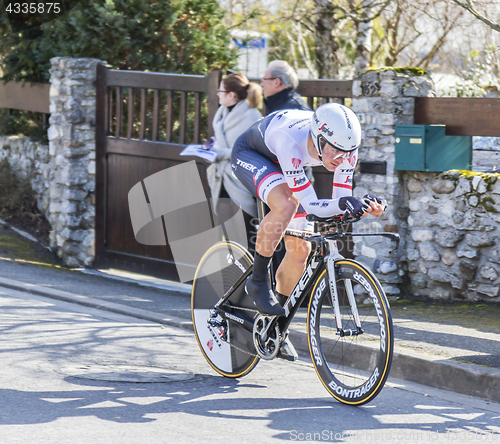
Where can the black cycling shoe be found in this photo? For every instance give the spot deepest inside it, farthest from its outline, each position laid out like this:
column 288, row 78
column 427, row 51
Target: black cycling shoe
column 287, row 351
column 263, row 298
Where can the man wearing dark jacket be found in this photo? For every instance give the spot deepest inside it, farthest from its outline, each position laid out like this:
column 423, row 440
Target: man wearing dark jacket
column 278, row 86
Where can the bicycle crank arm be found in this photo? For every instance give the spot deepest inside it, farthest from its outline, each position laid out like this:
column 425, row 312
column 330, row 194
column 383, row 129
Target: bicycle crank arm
column 350, row 332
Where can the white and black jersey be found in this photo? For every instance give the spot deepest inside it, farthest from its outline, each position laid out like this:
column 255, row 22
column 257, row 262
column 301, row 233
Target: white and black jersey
column 274, row 151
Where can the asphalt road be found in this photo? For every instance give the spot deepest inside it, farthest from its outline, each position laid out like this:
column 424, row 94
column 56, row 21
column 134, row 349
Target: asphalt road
column 73, row 374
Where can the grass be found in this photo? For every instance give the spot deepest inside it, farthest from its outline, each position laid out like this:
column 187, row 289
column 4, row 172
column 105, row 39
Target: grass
column 14, row 248
column 481, row 316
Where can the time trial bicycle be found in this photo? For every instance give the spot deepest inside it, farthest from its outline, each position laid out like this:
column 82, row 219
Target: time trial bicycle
column 349, row 324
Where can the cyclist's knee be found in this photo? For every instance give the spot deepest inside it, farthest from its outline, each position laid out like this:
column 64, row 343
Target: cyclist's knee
column 290, row 206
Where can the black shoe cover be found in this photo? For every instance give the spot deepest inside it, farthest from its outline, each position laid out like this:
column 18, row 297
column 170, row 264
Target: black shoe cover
column 263, row 298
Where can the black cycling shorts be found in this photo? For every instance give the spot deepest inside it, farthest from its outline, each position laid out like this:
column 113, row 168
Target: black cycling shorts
column 257, row 173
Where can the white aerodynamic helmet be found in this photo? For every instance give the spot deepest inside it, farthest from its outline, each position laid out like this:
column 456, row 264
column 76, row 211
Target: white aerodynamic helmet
column 337, row 125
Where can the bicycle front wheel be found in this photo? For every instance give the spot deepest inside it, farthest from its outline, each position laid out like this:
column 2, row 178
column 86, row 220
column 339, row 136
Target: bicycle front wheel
column 228, row 347
column 353, row 366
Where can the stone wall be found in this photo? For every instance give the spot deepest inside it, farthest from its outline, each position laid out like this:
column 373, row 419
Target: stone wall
column 72, row 145
column 453, row 231
column 63, row 173
column 30, row 160
column 382, row 99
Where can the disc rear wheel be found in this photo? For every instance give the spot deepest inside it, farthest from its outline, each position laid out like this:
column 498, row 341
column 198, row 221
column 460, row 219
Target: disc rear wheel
column 227, row 346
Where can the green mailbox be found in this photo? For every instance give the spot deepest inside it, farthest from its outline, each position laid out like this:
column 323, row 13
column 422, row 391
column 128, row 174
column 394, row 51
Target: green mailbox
column 428, row 148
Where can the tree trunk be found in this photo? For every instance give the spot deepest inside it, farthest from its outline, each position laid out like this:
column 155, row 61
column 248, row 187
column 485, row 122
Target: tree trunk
column 363, row 46
column 327, row 45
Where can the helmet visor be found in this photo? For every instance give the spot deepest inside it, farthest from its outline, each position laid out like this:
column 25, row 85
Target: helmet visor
column 337, row 154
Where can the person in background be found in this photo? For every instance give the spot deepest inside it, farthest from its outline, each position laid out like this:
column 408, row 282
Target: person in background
column 239, row 100
column 278, row 85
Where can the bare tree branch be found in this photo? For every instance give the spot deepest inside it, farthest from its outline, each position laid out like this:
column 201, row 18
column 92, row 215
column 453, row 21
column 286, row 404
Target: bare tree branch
column 251, row 15
column 426, row 60
column 355, row 14
column 469, row 6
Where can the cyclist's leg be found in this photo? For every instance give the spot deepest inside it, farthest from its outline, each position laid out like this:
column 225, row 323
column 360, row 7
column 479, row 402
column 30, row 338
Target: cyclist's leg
column 293, row 264
column 283, row 205
column 287, row 276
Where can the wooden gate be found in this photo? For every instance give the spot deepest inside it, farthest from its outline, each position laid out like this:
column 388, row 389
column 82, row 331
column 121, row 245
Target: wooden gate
column 143, row 122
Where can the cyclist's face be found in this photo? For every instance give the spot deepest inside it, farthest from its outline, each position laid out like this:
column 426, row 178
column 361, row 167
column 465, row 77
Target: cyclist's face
column 332, row 157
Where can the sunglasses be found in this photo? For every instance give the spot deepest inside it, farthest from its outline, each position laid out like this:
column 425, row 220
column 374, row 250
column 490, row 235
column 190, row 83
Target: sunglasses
column 337, row 154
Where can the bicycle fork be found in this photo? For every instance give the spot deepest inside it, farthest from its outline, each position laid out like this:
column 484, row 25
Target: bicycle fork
column 333, row 256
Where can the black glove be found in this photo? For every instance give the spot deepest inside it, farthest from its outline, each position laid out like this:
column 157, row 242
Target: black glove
column 354, row 205
column 371, row 198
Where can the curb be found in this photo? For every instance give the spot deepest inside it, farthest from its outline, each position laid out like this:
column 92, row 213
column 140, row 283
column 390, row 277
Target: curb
column 141, row 280
column 409, row 365
column 97, row 303
column 432, row 371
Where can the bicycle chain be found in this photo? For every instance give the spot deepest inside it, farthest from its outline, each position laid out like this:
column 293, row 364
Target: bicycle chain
column 242, row 308
column 241, row 350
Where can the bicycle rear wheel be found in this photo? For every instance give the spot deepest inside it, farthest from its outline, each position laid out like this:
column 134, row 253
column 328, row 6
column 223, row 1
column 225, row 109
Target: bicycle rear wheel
column 352, row 368
column 229, row 348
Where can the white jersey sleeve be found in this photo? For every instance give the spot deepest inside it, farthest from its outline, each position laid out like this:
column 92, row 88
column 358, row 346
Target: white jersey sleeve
column 342, row 178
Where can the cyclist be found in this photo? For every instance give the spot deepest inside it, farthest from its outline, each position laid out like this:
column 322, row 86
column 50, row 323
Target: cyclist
column 269, row 159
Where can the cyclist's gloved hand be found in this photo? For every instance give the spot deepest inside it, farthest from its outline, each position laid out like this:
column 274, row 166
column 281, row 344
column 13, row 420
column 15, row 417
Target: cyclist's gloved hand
column 371, row 198
column 354, row 205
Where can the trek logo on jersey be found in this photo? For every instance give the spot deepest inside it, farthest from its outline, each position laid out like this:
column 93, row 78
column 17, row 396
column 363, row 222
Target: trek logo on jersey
column 246, row 165
column 347, row 170
column 259, row 173
column 294, row 173
column 296, row 162
column 297, row 182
